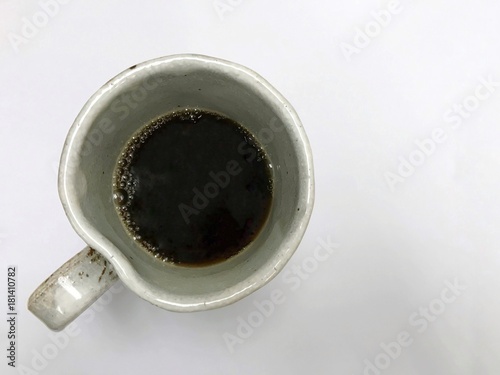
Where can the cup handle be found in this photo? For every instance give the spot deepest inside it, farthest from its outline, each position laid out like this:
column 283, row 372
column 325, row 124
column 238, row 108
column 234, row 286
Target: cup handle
column 70, row 290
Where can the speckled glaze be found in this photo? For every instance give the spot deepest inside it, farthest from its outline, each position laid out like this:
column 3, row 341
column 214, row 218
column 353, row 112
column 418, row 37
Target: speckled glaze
column 72, row 288
column 137, row 96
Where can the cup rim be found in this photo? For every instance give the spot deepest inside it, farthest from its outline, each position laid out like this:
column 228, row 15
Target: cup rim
column 125, row 270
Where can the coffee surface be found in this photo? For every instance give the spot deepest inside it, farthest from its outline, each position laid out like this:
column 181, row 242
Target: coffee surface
column 193, row 187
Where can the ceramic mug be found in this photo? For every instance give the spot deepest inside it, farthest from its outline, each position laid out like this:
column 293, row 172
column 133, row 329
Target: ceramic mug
column 92, row 148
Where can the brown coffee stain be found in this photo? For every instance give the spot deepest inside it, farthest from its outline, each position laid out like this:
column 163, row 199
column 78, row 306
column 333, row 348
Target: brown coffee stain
column 96, row 257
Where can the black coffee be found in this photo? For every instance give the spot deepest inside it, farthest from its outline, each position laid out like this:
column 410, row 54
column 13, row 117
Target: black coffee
column 193, row 187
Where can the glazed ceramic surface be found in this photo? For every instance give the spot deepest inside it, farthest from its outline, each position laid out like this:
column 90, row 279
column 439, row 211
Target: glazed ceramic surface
column 134, row 98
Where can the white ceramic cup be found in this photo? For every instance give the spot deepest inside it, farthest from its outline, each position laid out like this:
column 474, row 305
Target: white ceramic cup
column 108, row 120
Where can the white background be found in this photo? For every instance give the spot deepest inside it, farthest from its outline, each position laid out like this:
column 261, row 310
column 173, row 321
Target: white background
column 397, row 248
